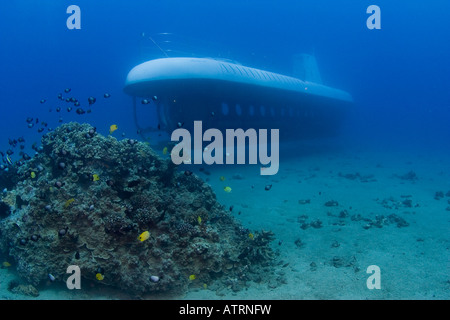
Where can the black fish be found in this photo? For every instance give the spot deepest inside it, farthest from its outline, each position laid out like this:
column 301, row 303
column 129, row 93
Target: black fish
column 91, row 100
column 268, row 187
column 67, row 90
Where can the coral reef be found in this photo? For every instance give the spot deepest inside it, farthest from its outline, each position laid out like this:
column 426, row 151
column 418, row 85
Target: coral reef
column 85, row 199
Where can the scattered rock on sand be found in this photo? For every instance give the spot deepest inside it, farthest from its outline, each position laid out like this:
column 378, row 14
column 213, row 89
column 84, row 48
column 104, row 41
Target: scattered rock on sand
column 27, row 290
column 438, row 195
column 331, row 203
column 411, row 175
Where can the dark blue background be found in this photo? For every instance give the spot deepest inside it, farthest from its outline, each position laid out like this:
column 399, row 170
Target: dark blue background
column 398, row 76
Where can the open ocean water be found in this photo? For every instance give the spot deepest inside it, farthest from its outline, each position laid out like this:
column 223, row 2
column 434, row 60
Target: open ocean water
column 363, row 214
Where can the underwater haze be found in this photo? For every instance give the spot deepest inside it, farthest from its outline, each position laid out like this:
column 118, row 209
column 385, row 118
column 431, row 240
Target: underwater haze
column 375, row 194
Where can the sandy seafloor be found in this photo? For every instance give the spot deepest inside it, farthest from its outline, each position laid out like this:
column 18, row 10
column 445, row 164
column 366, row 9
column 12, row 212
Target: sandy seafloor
column 414, row 260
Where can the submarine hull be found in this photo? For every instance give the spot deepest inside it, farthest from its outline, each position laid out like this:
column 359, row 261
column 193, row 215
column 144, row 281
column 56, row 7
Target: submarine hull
column 225, row 102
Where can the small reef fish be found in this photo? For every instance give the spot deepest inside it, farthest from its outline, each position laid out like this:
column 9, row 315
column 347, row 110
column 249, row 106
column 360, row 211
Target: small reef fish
column 251, row 236
column 95, row 177
column 8, row 160
column 227, row 189
column 199, row 220
column 33, row 175
column 68, row 203
column 99, row 276
column 192, row 277
column 6, row 264
column 113, row 128
column 222, row 178
column 165, row 150
column 144, row 236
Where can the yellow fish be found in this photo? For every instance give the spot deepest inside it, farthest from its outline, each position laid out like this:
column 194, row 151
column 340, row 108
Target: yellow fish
column 199, row 220
column 113, row 128
column 6, row 264
column 144, row 236
column 222, row 178
column 227, row 189
column 205, row 286
column 99, row 276
column 95, row 177
column 192, row 277
column 68, row 203
column 251, row 236
column 165, row 150
column 33, row 175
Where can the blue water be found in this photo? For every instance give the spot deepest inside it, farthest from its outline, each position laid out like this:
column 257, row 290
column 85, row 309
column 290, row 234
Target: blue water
column 399, row 76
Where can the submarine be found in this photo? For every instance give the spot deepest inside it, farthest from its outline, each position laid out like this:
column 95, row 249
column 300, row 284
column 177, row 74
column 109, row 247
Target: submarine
column 225, row 95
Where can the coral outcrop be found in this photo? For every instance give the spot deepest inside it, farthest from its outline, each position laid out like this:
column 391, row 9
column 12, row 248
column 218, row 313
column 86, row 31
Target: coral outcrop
column 86, row 198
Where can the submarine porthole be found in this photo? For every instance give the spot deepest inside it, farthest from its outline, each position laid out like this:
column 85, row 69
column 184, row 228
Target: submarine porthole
column 238, row 110
column 262, row 110
column 225, row 109
column 251, row 110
